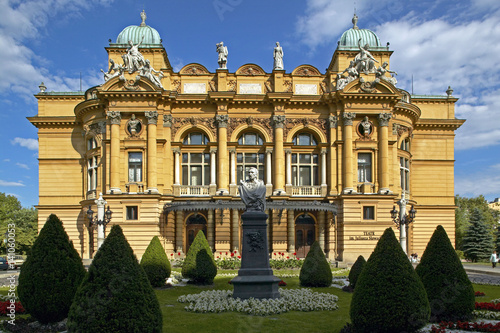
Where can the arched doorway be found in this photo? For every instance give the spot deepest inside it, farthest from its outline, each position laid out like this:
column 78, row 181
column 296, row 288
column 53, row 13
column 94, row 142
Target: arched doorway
column 305, row 234
column 195, row 223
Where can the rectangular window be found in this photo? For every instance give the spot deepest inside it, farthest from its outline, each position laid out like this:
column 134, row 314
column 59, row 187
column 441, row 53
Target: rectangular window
column 132, row 213
column 245, row 161
column 305, row 169
column 364, row 167
column 195, row 169
column 404, row 169
column 134, row 167
column 368, row 213
column 92, row 173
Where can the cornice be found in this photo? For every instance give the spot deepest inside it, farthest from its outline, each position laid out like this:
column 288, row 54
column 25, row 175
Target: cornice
column 453, row 124
column 62, row 121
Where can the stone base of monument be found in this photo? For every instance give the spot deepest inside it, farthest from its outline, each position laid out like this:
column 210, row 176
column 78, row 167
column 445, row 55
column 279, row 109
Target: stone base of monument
column 255, row 278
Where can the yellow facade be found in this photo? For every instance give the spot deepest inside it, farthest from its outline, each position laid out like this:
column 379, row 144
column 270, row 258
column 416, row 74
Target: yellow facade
column 328, row 178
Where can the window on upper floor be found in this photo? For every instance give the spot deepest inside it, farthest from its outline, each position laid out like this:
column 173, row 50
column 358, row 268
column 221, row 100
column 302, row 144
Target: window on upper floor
column 134, row 167
column 364, row 167
column 92, row 173
column 304, row 139
column 91, row 143
column 245, row 161
column 195, row 169
column 404, row 169
column 250, row 138
column 196, row 138
column 405, row 145
column 305, row 169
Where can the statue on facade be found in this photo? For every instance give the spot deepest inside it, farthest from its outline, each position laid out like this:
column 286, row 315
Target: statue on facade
column 381, row 70
column 367, row 127
column 222, row 51
column 278, row 57
column 352, row 74
column 113, row 71
column 133, row 60
column 133, row 124
column 364, row 60
column 253, row 192
column 147, row 71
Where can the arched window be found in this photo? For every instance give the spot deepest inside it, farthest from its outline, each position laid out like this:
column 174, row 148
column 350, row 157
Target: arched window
column 91, row 143
column 304, row 139
column 250, row 138
column 195, row 138
column 405, row 145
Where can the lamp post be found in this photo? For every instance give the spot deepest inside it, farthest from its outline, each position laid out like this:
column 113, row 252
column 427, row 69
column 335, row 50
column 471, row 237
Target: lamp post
column 402, row 220
column 101, row 220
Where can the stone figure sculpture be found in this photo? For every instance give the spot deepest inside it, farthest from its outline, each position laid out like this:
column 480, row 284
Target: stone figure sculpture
column 381, row 70
column 352, row 74
column 147, row 71
column 114, row 70
column 278, row 57
column 133, row 124
column 253, row 192
column 222, row 51
column 133, row 59
column 367, row 127
column 364, row 60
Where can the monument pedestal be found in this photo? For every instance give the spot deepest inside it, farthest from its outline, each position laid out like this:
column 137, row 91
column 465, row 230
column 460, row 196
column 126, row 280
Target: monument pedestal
column 255, row 277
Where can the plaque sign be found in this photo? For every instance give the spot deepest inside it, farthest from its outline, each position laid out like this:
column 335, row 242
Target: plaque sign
column 195, row 88
column 306, row 89
column 250, row 88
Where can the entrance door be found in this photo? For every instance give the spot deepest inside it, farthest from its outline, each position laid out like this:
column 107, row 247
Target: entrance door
column 194, row 224
column 305, row 234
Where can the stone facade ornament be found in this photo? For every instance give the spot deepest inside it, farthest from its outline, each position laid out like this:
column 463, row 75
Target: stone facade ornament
column 134, row 125
column 347, row 117
column 364, row 60
column 115, row 117
column 383, row 119
column 42, row 87
column 222, row 59
column 98, row 128
column 352, row 74
column 332, row 121
column 152, row 117
column 381, row 70
column 148, row 72
column 278, row 57
column 222, row 120
column 365, row 128
column 167, row 120
column 113, row 71
column 368, row 86
column 278, row 121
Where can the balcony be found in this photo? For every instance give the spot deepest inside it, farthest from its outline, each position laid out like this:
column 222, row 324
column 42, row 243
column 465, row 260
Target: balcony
column 91, row 194
column 134, row 188
column 306, row 191
column 194, row 190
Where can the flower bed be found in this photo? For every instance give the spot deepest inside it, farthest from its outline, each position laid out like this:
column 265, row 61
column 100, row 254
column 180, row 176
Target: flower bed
column 466, row 326
column 216, row 301
column 479, row 294
column 4, row 311
column 491, row 315
column 490, row 306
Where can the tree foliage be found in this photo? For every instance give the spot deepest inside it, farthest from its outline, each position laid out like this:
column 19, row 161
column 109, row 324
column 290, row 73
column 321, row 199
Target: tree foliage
column 389, row 296
column 115, row 295
column 356, row 271
column 478, row 242
column 199, row 266
column 51, row 274
column 155, row 263
column 315, row 271
column 449, row 290
column 24, row 219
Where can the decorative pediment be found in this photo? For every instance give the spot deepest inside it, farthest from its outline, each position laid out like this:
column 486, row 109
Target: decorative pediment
column 250, row 69
column 194, row 69
column 370, row 85
column 130, row 83
column 306, row 70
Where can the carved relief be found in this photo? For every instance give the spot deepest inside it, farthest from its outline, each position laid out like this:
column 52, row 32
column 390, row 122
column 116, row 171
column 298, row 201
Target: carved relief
column 212, row 86
column 268, row 86
column 177, row 123
column 307, row 122
column 347, row 117
column 134, row 126
column 255, row 240
column 231, row 85
column 167, row 120
column 368, row 86
column 222, row 120
column 194, row 70
column 176, row 85
column 235, row 122
column 278, row 121
column 115, row 117
column 383, row 119
column 288, row 85
column 400, row 130
column 332, row 121
column 152, row 117
column 306, row 71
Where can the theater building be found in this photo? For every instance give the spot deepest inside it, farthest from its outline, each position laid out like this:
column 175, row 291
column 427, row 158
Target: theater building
column 336, row 150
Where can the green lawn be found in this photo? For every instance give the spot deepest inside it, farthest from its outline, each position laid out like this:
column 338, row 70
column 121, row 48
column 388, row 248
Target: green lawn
column 177, row 320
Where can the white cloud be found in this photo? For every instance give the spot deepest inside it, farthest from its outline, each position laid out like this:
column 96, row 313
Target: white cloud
column 23, row 166
column 485, row 183
column 31, row 144
column 6, row 160
column 8, row 183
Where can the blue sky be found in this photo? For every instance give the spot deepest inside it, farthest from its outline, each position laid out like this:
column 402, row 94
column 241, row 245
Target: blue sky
column 439, row 43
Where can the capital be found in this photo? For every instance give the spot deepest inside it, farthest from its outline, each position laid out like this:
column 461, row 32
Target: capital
column 278, row 121
column 222, row 120
column 347, row 117
column 115, row 117
column 152, row 117
column 332, row 121
column 383, row 119
column 167, row 120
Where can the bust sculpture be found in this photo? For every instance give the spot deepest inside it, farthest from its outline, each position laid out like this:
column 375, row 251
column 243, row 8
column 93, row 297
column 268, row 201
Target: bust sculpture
column 253, row 192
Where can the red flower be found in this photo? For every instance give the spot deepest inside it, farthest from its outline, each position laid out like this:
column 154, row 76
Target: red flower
column 226, row 253
column 239, row 257
column 288, row 257
column 172, row 254
column 295, row 253
column 282, row 283
column 178, row 253
column 298, row 258
column 217, row 257
column 232, row 254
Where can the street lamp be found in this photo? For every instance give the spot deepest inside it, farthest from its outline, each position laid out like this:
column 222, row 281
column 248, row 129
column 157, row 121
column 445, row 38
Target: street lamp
column 402, row 220
column 101, row 220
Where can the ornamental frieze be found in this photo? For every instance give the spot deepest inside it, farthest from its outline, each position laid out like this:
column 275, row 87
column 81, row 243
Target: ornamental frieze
column 250, row 121
column 307, row 122
column 178, row 123
column 400, row 130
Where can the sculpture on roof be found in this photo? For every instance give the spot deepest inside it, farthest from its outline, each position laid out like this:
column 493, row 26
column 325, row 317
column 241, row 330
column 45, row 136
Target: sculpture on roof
column 278, row 57
column 222, row 51
column 147, row 71
column 364, row 60
column 114, row 70
column 381, row 70
column 352, row 74
column 253, row 192
column 133, row 59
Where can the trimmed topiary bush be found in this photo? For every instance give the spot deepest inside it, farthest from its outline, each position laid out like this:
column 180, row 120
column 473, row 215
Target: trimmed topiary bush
column 199, row 266
column 449, row 290
column 356, row 270
column 315, row 271
column 51, row 274
column 389, row 296
column 115, row 295
column 155, row 263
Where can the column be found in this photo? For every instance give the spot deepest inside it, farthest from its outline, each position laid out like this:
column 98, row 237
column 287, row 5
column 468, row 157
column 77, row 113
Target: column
column 179, row 226
column 323, row 167
column 167, row 129
column 348, row 165
column 235, row 231
column 279, row 155
column 177, row 162
column 322, row 229
column 210, row 229
column 115, row 118
column 332, row 122
column 288, row 153
column 290, row 231
column 152, row 117
column 268, row 167
column 232, row 154
column 383, row 142
column 223, row 165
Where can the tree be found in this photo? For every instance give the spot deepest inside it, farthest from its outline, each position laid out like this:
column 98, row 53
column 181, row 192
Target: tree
column 155, row 263
column 115, row 295
column 478, row 241
column 449, row 290
column 356, row 271
column 389, row 296
column 497, row 240
column 315, row 272
column 25, row 221
column 51, row 274
column 199, row 265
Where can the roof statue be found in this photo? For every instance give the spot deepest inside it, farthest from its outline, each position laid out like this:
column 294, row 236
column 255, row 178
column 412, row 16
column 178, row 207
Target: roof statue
column 278, row 57
column 114, row 70
column 143, row 18
column 352, row 74
column 222, row 51
column 355, row 21
column 253, row 192
column 364, row 60
column 381, row 70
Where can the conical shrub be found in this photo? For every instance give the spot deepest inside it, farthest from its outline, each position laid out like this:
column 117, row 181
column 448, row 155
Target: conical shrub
column 115, row 295
column 315, row 271
column 389, row 296
column 199, row 265
column 356, row 271
column 51, row 274
column 155, row 263
column 449, row 290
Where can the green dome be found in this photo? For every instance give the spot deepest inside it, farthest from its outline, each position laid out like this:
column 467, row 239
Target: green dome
column 349, row 39
column 136, row 32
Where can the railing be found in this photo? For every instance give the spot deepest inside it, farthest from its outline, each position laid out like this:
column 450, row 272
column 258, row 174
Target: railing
column 134, row 188
column 306, row 191
column 194, row 190
column 366, row 188
column 91, row 194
